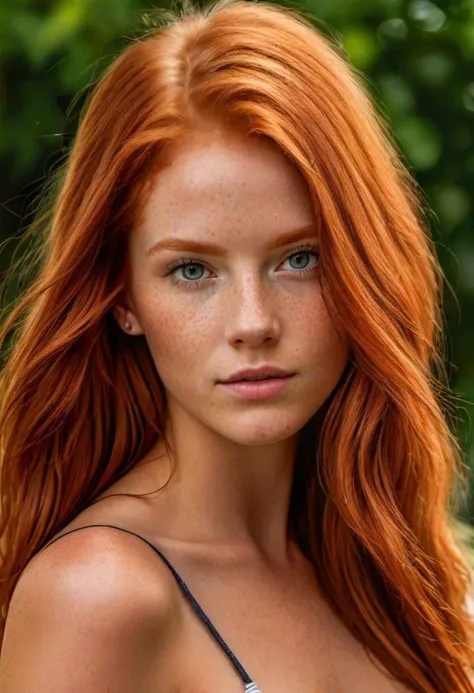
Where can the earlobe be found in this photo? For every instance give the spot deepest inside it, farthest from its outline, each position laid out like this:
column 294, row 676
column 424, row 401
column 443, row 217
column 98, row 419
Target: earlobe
column 127, row 320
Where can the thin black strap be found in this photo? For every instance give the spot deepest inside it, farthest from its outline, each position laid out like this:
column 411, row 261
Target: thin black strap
column 235, row 662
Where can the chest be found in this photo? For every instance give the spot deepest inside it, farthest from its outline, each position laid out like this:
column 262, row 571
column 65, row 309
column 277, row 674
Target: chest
column 285, row 636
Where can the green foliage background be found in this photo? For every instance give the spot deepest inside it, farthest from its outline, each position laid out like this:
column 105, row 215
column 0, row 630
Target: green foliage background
column 417, row 58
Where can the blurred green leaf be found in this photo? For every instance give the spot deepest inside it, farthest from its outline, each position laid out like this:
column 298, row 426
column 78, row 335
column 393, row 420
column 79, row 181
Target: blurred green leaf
column 451, row 203
column 421, row 140
column 434, row 67
column 396, row 93
column 361, row 45
column 395, row 29
column 426, row 15
column 65, row 18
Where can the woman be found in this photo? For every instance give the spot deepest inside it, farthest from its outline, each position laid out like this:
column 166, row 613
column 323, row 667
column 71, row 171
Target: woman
column 232, row 209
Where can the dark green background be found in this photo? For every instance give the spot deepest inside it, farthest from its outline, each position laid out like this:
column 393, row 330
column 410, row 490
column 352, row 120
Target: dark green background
column 417, row 59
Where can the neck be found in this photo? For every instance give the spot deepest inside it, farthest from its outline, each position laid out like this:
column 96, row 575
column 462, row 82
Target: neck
column 224, row 493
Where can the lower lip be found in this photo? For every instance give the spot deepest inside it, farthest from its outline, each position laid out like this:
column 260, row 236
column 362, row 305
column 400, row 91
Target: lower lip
column 258, row 389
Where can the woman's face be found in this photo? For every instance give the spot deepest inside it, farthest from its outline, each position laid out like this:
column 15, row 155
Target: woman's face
column 246, row 301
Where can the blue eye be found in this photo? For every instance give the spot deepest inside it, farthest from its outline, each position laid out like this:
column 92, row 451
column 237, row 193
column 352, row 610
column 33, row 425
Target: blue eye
column 190, row 267
column 298, row 256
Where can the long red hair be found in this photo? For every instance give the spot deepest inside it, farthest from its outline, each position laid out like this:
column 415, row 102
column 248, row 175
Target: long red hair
column 81, row 402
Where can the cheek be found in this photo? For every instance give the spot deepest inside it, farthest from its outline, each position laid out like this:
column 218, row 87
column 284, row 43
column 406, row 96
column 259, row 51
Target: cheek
column 317, row 339
column 176, row 337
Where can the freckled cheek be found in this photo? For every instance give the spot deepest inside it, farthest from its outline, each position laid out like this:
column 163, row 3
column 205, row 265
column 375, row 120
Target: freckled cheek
column 178, row 337
column 316, row 336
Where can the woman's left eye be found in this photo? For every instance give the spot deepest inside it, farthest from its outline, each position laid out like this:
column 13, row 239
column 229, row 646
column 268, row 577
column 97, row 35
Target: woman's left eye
column 190, row 265
column 301, row 254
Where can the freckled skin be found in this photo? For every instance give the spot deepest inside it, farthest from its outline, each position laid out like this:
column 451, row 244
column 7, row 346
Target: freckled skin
column 253, row 307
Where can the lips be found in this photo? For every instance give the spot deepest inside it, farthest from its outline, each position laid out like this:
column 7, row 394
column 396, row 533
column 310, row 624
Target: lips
column 254, row 380
column 258, row 389
column 253, row 374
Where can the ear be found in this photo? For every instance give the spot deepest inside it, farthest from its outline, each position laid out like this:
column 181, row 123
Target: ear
column 125, row 313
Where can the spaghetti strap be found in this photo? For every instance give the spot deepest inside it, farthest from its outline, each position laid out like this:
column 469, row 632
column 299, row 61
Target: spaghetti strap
column 250, row 686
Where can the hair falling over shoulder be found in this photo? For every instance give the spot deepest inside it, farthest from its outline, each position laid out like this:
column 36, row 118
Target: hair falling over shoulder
column 81, row 402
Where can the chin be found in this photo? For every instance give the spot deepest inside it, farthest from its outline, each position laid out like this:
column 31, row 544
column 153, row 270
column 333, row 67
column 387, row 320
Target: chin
column 261, row 428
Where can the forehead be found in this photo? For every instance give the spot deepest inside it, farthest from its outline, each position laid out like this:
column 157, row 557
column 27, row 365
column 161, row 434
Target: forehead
column 227, row 188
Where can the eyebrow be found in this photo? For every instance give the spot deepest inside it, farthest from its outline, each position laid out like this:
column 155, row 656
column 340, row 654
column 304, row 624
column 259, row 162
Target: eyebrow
column 216, row 250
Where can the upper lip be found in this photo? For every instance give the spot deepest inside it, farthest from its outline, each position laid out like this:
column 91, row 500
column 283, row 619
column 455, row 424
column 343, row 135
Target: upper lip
column 255, row 372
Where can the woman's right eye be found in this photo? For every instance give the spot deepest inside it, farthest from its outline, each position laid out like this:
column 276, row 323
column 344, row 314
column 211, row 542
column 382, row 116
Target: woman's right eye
column 183, row 265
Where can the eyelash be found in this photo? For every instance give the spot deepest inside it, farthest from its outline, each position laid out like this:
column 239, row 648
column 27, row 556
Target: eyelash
column 193, row 284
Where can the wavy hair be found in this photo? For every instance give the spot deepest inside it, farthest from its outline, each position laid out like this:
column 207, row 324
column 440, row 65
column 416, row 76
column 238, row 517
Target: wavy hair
column 82, row 402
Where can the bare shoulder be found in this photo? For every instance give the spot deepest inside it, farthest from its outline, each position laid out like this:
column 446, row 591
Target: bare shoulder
column 96, row 609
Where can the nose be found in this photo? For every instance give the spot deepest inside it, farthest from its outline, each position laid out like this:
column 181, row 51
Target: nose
column 251, row 317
